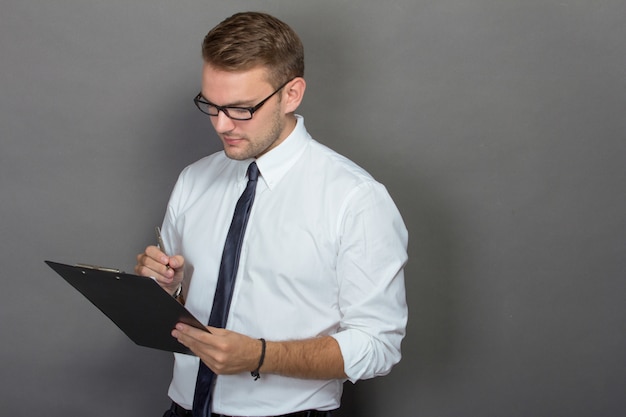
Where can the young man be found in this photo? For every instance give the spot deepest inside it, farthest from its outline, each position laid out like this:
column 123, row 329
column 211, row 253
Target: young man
column 319, row 292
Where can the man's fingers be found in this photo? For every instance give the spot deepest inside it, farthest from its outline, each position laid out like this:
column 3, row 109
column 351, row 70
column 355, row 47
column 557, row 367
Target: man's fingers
column 158, row 255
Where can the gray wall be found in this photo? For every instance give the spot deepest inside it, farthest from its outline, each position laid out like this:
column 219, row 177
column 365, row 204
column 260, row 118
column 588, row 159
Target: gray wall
column 498, row 127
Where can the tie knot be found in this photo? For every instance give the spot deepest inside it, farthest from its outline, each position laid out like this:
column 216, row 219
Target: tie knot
column 253, row 172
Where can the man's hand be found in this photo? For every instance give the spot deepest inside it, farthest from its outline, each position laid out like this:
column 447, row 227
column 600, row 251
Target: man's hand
column 224, row 351
column 228, row 352
column 167, row 270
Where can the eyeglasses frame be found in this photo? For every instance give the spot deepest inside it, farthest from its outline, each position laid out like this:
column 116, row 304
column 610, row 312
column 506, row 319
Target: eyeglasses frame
column 224, row 109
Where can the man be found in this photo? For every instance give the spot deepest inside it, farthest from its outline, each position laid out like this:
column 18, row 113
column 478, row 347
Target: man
column 319, row 291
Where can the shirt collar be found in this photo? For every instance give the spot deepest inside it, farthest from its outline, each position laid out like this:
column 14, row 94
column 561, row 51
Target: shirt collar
column 276, row 163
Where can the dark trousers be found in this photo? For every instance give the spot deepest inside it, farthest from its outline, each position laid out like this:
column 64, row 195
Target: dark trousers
column 177, row 411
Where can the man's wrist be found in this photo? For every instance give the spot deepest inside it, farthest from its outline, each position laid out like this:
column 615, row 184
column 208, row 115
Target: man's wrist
column 178, row 291
column 255, row 374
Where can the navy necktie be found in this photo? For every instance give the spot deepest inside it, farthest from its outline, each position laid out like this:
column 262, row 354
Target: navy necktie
column 225, row 285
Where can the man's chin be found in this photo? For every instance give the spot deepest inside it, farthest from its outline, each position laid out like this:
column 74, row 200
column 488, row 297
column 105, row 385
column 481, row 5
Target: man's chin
column 237, row 154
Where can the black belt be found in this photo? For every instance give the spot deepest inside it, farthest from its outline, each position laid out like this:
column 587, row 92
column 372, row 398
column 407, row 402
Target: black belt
column 177, row 410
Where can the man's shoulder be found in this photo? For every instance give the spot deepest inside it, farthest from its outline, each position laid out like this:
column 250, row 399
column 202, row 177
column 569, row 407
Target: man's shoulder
column 209, row 161
column 201, row 176
column 213, row 163
column 337, row 165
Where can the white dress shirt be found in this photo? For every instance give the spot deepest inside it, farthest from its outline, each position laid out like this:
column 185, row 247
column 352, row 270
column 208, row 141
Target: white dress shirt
column 323, row 254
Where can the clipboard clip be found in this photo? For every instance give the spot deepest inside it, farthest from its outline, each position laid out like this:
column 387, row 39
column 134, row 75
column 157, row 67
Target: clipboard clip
column 99, row 268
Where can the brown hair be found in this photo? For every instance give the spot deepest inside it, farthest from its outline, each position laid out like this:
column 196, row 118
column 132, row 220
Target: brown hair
column 252, row 39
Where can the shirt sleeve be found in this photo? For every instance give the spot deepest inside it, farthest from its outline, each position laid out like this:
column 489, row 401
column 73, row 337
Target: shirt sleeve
column 171, row 237
column 370, row 271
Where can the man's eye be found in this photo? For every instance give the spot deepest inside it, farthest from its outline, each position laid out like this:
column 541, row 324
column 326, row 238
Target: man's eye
column 237, row 111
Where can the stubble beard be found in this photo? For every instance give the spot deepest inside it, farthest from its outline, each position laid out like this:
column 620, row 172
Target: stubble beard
column 261, row 145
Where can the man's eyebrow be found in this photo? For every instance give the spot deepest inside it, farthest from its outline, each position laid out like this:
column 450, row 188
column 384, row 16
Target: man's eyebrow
column 240, row 103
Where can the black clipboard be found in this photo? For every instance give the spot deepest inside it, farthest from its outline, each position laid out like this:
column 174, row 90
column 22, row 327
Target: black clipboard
column 136, row 304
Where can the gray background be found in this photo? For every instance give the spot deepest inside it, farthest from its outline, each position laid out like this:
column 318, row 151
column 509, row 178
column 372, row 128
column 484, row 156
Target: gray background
column 497, row 125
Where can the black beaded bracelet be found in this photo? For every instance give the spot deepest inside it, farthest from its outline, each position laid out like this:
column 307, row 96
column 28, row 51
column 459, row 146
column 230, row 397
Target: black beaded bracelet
column 255, row 374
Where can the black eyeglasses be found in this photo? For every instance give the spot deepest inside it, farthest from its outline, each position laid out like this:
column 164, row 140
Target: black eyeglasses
column 234, row 112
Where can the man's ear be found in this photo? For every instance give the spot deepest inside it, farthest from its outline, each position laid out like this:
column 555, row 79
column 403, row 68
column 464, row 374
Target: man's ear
column 293, row 94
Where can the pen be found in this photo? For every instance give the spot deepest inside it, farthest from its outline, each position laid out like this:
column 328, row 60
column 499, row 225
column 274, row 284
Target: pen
column 160, row 242
column 177, row 294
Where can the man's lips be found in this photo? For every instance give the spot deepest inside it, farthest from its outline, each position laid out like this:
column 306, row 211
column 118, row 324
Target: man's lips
column 229, row 140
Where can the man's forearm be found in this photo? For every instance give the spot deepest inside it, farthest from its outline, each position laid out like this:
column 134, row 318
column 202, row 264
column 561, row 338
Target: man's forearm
column 318, row 358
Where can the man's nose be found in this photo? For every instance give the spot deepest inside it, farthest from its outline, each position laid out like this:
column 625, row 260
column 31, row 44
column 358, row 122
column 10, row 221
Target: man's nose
column 222, row 123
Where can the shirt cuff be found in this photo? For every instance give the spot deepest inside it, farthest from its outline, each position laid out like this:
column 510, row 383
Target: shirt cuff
column 363, row 356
